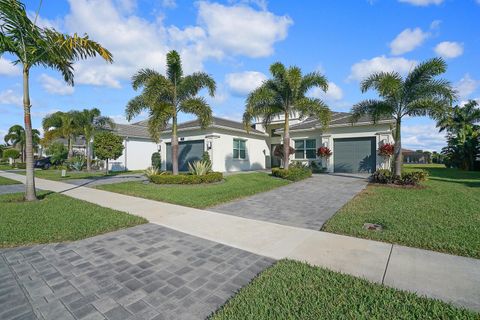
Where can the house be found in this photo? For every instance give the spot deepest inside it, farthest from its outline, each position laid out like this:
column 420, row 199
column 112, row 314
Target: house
column 418, row 156
column 232, row 148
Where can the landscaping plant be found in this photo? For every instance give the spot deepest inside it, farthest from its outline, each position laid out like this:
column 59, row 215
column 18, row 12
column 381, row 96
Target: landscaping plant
column 33, row 46
column 283, row 95
column 16, row 138
column 420, row 93
column 199, row 168
column 58, row 153
column 107, row 145
column 156, row 160
column 11, row 154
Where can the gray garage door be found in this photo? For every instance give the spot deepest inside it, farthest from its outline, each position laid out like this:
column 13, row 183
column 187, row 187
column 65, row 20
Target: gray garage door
column 188, row 151
column 354, row 155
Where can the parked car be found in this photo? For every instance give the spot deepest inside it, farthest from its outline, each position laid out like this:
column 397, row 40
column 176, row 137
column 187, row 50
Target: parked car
column 44, row 163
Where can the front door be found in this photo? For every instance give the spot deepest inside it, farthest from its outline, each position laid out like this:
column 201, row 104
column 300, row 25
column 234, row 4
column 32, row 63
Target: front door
column 275, row 161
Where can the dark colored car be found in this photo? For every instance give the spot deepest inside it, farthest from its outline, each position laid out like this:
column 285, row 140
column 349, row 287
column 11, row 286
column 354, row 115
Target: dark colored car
column 44, row 163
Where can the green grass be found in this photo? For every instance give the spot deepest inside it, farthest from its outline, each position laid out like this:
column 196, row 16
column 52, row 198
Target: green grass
column 6, row 181
column 200, row 196
column 56, row 175
column 294, row 290
column 444, row 215
column 56, row 218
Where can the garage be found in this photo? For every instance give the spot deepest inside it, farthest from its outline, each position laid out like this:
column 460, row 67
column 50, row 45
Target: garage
column 354, row 155
column 188, row 152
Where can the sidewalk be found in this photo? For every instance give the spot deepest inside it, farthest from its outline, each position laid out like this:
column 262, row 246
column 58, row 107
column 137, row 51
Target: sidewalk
column 450, row 278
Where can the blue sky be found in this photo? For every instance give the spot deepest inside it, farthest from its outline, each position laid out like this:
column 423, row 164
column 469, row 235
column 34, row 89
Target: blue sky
column 236, row 41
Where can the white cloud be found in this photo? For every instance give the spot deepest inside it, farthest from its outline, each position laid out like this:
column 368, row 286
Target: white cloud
column 466, row 86
column 55, row 86
column 364, row 68
column 422, row 3
column 448, row 49
column 242, row 83
column 241, row 30
column 169, row 4
column 7, row 68
column 422, row 137
column 334, row 93
column 407, row 40
column 9, row 97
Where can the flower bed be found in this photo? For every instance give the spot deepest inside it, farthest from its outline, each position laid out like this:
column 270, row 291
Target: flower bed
column 410, row 178
column 168, row 178
column 292, row 174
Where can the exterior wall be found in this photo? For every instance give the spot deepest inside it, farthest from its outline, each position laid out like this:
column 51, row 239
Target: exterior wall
column 381, row 132
column 219, row 144
column 136, row 155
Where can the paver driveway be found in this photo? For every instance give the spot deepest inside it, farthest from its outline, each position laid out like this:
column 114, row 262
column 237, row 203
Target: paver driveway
column 144, row 272
column 305, row 204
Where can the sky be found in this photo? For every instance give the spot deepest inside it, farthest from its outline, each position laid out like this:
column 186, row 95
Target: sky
column 236, row 41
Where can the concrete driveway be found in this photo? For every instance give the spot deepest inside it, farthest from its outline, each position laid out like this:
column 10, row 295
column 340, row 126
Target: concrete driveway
column 144, row 272
column 305, row 204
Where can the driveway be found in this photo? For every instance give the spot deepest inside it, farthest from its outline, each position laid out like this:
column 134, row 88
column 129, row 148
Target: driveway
column 305, row 204
column 144, row 272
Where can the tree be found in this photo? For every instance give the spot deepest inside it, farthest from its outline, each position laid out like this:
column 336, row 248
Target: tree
column 62, row 125
column 36, row 46
column 420, row 93
column 166, row 96
column 107, row 145
column 463, row 134
column 58, row 152
column 91, row 122
column 11, row 154
column 283, row 95
column 16, row 137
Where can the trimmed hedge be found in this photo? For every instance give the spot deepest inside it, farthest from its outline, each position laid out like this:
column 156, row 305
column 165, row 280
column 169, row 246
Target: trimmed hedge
column 186, row 178
column 409, row 178
column 292, row 174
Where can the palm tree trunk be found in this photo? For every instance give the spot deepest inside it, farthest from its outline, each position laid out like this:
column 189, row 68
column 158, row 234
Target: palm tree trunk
column 30, row 178
column 286, row 142
column 397, row 153
column 70, row 148
column 174, row 146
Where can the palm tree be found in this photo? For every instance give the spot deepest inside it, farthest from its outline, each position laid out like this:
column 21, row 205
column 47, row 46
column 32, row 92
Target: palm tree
column 16, row 137
column 35, row 46
column 285, row 95
column 166, row 96
column 62, row 125
column 420, row 93
column 460, row 117
column 91, row 121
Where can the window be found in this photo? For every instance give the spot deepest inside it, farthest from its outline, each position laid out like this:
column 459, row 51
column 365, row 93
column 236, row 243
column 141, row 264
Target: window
column 239, row 151
column 305, row 149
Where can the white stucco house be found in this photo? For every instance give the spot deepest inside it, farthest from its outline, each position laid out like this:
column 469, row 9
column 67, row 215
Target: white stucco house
column 232, row 148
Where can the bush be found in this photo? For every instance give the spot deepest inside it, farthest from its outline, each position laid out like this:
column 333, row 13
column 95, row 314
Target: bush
column 156, row 160
column 293, row 173
column 200, row 168
column 58, row 153
column 76, row 163
column 206, row 158
column 410, row 178
column 186, row 178
column 20, row 165
column 317, row 168
column 11, row 153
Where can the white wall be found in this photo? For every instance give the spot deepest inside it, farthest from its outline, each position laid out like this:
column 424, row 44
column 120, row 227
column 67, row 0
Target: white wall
column 137, row 155
column 379, row 131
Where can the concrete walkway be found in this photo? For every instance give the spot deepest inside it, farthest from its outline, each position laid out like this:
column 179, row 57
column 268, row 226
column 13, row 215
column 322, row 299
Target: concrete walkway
column 309, row 204
column 450, row 278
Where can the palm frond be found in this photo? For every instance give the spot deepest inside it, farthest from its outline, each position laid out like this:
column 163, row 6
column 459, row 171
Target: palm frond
column 388, row 84
column 159, row 116
column 433, row 107
column 141, row 78
column 199, row 107
column 373, row 108
column 174, row 67
column 134, row 107
column 313, row 79
column 424, row 72
column 308, row 107
column 192, row 84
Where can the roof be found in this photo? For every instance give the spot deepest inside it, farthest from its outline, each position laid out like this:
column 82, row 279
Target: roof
column 140, row 129
column 339, row 119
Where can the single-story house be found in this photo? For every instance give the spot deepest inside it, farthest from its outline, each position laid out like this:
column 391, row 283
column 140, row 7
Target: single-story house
column 232, row 148
column 417, row 156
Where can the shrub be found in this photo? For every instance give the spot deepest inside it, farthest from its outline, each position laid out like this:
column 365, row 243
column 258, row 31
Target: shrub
column 11, row 153
column 156, row 160
column 317, row 168
column 150, row 172
column 410, row 178
column 186, row 178
column 21, row 165
column 58, row 153
column 76, row 163
column 293, row 173
column 206, row 157
column 199, row 168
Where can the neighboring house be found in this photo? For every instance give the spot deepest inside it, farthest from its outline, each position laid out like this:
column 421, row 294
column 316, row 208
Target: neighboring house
column 79, row 145
column 411, row 156
column 232, row 148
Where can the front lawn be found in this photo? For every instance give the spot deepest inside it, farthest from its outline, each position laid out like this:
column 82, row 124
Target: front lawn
column 295, row 290
column 200, row 196
column 6, row 181
column 443, row 216
column 56, row 218
column 56, row 175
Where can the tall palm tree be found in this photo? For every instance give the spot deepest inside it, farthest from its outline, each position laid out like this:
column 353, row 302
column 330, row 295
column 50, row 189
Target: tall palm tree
column 17, row 138
column 62, row 125
column 166, row 96
column 90, row 122
column 35, row 46
column 285, row 95
column 460, row 117
column 420, row 93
